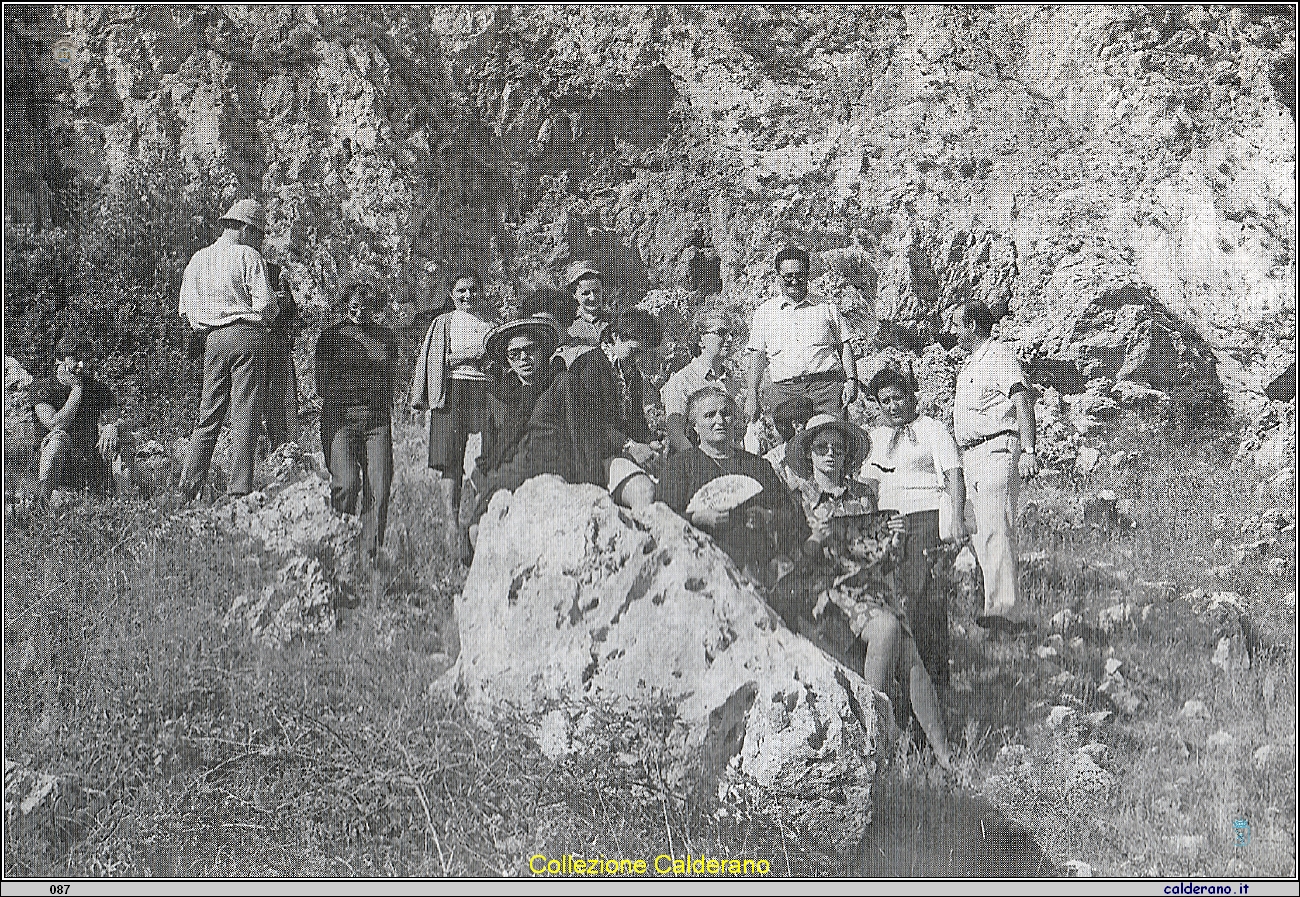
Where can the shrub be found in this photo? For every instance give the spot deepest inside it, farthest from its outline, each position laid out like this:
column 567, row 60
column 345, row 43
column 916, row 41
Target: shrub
column 114, row 272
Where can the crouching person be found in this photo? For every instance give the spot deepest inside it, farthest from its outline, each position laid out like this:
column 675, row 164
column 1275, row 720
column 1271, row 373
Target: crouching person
column 356, row 362
column 75, row 453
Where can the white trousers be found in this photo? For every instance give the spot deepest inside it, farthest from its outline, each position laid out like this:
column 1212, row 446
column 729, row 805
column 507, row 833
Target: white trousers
column 992, row 487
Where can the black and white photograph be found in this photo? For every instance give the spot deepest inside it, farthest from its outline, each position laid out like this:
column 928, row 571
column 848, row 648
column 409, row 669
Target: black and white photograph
column 661, row 445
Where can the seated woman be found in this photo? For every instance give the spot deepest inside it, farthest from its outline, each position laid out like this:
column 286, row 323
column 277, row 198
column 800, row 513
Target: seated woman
column 516, row 353
column 705, row 368
column 768, row 525
column 915, row 462
column 849, row 557
column 589, row 425
column 789, row 417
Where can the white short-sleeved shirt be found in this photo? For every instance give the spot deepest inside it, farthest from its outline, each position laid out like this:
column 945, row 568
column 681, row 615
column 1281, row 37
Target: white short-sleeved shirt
column 983, row 404
column 224, row 283
column 466, row 336
column 680, row 385
column 799, row 339
column 911, row 476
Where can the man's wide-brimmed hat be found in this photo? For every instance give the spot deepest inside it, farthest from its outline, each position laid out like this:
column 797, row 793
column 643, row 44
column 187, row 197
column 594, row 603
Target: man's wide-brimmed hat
column 580, row 269
column 856, row 443
column 541, row 328
column 247, row 211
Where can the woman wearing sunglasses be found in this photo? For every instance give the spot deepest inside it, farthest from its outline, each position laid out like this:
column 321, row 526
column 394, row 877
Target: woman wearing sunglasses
column 850, row 557
column 704, row 369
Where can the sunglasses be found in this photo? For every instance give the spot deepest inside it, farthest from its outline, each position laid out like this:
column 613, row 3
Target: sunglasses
column 794, row 275
column 724, row 333
column 521, row 351
column 826, row 448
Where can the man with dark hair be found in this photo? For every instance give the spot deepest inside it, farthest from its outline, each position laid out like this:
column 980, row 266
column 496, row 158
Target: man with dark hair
column 589, row 425
column 75, row 453
column 993, row 420
column 804, row 343
column 789, row 418
column 226, row 295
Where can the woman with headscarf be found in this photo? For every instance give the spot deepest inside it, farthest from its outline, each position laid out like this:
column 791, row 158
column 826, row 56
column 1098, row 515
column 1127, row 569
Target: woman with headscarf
column 915, row 463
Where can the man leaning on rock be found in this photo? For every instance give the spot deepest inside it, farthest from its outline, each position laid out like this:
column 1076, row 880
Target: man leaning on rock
column 993, row 420
column 802, row 340
column 227, row 296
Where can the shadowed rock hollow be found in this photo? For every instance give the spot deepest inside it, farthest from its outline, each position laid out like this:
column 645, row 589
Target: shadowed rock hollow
column 575, row 607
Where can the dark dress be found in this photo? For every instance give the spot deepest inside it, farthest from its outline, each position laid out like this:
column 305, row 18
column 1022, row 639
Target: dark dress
column 510, row 404
column 580, row 419
column 746, row 538
column 280, row 395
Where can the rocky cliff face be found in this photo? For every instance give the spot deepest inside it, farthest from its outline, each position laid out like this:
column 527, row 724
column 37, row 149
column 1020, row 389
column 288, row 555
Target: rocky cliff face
column 1120, row 179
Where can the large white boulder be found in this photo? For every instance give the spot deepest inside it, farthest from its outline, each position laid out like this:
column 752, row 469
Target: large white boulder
column 575, row 607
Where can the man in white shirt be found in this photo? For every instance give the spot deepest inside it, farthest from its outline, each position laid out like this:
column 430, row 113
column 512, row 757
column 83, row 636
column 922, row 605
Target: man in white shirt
column 227, row 296
column 993, row 420
column 802, row 341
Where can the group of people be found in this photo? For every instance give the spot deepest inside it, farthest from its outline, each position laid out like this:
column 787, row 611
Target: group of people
column 839, row 535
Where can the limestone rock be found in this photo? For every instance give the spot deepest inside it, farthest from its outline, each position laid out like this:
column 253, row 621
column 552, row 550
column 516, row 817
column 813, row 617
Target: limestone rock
column 1108, row 323
column 572, row 601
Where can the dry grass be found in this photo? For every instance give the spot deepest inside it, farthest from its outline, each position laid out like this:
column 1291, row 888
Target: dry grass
column 187, row 749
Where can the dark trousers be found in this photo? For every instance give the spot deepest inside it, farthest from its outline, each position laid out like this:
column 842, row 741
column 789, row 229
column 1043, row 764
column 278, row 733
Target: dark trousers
column 66, row 465
column 827, row 393
column 234, row 369
column 280, row 394
column 359, row 452
column 927, row 606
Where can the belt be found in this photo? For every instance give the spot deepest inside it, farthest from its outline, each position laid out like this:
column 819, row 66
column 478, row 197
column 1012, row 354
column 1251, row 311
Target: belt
column 238, row 322
column 983, row 439
column 823, row 377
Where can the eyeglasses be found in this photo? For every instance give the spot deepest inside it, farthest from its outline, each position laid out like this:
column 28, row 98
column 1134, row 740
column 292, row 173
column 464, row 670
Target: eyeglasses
column 826, row 448
column 724, row 333
column 794, row 275
column 521, row 351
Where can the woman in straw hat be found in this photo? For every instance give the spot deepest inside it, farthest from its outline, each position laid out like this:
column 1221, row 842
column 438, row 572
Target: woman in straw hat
column 850, row 556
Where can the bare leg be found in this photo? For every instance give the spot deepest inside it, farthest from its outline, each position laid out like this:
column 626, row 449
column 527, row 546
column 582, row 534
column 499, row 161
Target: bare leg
column 882, row 636
column 925, row 704
column 449, row 489
column 637, row 492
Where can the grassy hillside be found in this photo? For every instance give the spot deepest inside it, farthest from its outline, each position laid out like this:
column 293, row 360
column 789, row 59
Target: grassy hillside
column 182, row 747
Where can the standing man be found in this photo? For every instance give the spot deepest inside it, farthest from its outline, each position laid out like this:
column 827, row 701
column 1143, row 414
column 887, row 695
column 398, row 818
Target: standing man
column 227, row 295
column 587, row 285
column 993, row 419
column 804, row 340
